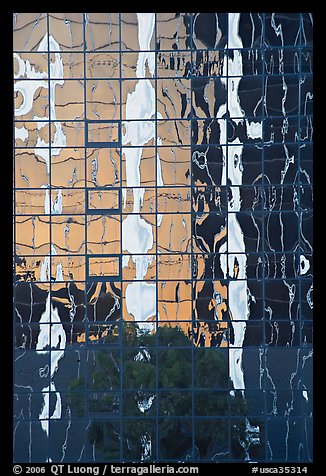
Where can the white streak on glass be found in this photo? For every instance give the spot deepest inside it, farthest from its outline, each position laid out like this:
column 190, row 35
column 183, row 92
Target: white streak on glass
column 28, row 89
column 223, row 260
column 52, row 336
column 278, row 29
column 146, row 442
column 21, row 66
column 304, row 265
column 234, row 40
column 137, row 233
column 57, row 203
column 254, row 129
column 59, row 273
column 21, row 133
column 145, row 403
column 238, row 290
column 141, row 300
column 45, row 267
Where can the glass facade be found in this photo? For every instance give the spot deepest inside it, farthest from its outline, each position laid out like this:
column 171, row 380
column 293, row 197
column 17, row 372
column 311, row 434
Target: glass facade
column 163, row 287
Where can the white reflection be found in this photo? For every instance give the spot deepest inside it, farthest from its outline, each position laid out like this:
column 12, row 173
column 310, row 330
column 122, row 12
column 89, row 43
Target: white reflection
column 137, row 233
column 238, row 290
column 52, row 334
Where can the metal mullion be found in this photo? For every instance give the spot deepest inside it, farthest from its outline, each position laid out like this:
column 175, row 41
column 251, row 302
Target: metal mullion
column 300, row 280
column 86, row 350
column 50, row 157
column 121, row 393
column 193, row 423
column 181, row 50
column 263, row 231
column 156, row 253
column 149, row 417
column 50, row 224
column 14, row 283
column 252, row 144
column 263, row 238
column 299, row 183
column 227, row 226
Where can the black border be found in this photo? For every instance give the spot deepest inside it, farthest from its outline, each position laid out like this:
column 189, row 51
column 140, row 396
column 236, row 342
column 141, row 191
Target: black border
column 6, row 102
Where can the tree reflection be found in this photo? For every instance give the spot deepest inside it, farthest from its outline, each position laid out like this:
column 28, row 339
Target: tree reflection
column 155, row 374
